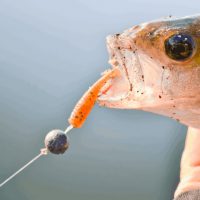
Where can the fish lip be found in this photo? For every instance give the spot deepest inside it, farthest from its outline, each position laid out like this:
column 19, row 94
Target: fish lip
column 102, row 97
column 116, row 60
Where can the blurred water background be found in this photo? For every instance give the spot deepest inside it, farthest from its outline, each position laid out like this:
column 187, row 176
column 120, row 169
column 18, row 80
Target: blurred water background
column 50, row 52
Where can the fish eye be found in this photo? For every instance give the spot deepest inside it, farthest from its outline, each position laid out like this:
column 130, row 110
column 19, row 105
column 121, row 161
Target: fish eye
column 179, row 46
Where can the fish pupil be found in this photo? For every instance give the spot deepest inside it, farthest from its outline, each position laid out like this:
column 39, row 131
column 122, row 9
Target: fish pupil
column 179, row 46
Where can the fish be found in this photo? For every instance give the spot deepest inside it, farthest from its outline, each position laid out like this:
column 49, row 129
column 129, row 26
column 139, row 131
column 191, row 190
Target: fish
column 159, row 64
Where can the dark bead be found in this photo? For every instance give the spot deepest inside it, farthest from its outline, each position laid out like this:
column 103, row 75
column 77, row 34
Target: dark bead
column 56, row 142
column 179, row 46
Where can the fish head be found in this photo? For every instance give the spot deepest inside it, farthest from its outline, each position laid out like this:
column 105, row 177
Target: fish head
column 159, row 64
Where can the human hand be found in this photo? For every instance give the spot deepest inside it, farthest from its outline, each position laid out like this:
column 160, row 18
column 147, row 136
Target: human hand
column 190, row 163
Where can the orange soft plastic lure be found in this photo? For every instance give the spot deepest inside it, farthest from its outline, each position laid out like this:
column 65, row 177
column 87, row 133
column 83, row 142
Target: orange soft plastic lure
column 87, row 101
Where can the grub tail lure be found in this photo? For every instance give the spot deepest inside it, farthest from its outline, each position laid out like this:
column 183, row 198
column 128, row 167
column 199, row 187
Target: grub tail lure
column 56, row 141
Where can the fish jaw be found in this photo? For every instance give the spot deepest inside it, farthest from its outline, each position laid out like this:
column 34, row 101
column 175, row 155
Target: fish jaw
column 119, row 87
column 150, row 81
column 133, row 88
column 157, row 94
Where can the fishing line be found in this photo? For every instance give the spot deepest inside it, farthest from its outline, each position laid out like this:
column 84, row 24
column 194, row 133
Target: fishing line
column 43, row 152
column 21, row 169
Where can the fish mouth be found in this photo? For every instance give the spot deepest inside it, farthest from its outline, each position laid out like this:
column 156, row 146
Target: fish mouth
column 118, row 88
